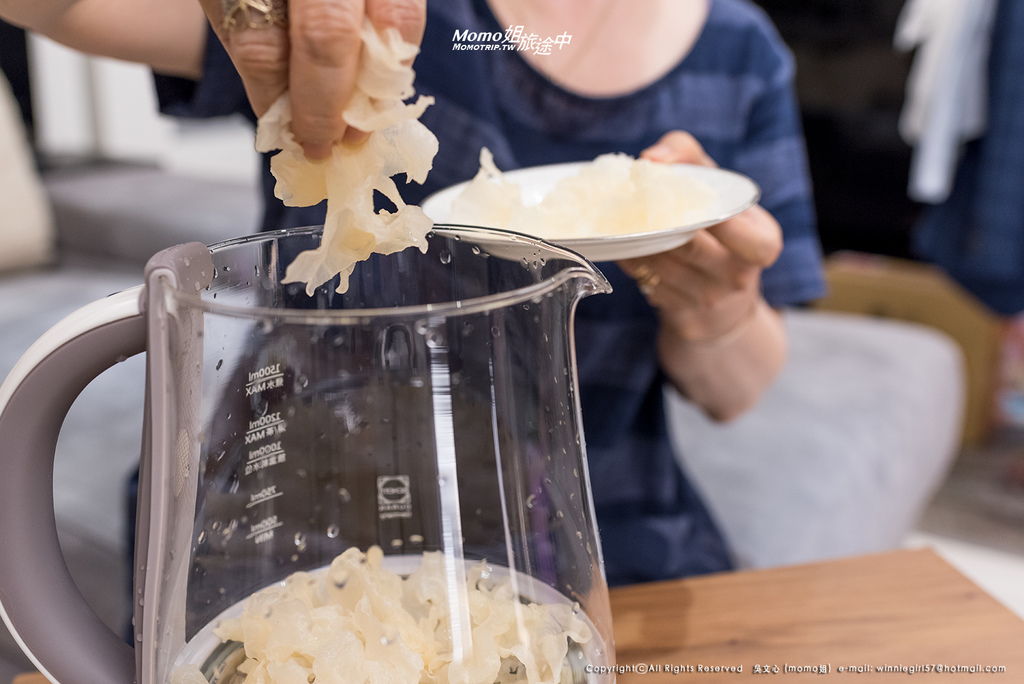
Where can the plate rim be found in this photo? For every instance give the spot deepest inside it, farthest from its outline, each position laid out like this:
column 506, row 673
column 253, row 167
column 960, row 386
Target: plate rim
column 580, row 244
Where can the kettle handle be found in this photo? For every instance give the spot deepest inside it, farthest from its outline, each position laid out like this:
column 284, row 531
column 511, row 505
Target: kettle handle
column 39, row 601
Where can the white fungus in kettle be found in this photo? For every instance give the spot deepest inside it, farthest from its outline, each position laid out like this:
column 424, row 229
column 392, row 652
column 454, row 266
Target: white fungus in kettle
column 377, row 626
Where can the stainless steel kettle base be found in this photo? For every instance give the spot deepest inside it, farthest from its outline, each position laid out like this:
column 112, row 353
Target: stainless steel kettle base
column 222, row 665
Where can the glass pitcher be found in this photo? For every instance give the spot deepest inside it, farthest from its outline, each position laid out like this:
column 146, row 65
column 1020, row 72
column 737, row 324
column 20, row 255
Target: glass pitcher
column 413, row 446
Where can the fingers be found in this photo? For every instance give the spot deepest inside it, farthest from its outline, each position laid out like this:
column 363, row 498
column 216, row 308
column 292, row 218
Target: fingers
column 316, row 58
column 322, row 73
column 325, row 60
column 258, row 47
column 678, row 147
column 754, row 236
column 408, row 16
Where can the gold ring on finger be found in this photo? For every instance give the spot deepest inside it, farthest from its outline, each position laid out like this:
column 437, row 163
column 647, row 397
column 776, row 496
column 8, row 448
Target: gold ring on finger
column 255, row 14
column 646, row 279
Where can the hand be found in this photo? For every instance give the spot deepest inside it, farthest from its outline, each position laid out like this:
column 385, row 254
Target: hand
column 718, row 342
column 314, row 54
column 708, row 287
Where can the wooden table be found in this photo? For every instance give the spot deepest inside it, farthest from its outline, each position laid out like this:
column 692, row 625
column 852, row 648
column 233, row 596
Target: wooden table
column 900, row 609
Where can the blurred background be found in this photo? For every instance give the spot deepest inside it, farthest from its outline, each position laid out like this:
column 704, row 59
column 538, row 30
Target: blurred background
column 899, row 420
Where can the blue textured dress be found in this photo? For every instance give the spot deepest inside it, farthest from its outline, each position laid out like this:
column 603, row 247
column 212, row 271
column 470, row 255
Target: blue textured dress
column 734, row 93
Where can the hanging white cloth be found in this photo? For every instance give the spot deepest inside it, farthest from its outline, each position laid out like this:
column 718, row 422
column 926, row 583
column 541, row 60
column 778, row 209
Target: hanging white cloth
column 947, row 90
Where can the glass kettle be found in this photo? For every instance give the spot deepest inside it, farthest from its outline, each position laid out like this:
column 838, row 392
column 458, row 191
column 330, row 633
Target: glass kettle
column 413, row 443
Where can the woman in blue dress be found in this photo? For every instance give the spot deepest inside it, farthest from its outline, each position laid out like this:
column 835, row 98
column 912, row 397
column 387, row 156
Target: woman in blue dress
column 696, row 81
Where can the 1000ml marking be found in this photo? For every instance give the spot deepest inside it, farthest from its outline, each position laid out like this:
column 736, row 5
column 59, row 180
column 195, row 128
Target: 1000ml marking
column 264, row 457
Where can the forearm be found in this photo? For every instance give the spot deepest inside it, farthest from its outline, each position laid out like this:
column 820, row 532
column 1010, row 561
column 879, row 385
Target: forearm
column 726, row 377
column 168, row 35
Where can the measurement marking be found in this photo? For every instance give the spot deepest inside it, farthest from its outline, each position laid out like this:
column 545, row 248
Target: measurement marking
column 264, row 457
column 264, row 452
column 257, row 502
column 274, row 424
column 264, row 526
column 264, row 379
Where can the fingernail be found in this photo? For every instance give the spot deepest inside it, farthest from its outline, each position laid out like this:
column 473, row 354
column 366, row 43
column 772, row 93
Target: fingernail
column 354, row 137
column 317, row 151
column 657, row 153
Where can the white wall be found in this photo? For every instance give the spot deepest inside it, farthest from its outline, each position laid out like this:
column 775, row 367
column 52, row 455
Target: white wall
column 89, row 106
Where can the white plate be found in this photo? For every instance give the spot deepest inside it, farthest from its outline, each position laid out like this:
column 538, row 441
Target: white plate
column 733, row 194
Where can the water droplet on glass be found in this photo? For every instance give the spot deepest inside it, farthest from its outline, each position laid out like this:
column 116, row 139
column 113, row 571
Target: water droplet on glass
column 435, row 338
column 421, row 326
column 219, row 364
column 301, row 383
column 415, row 538
column 301, row 473
column 138, row 638
column 579, row 535
column 267, row 325
column 442, row 481
column 495, row 331
column 560, row 514
column 344, row 495
column 295, row 557
column 445, row 256
column 395, row 543
column 333, row 531
column 529, row 500
column 300, row 541
column 202, row 537
column 476, row 250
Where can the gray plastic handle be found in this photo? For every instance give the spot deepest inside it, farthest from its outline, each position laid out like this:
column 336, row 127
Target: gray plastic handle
column 38, row 598
column 39, row 601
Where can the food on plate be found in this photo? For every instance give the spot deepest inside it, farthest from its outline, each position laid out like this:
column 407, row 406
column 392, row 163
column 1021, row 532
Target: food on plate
column 360, row 622
column 398, row 143
column 613, row 195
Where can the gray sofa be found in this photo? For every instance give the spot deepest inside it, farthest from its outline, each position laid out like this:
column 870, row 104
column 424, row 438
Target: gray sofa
column 839, row 459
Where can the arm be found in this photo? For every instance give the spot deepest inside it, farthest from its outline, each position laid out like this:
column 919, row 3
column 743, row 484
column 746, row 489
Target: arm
column 169, row 35
column 314, row 55
column 719, row 342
